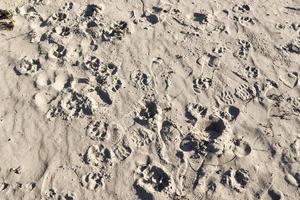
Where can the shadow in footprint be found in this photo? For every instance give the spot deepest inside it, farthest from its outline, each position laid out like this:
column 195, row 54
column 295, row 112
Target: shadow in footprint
column 142, row 193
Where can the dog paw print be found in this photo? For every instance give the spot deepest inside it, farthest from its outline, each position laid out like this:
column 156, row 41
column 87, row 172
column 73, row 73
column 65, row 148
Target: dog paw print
column 202, row 84
column 27, row 66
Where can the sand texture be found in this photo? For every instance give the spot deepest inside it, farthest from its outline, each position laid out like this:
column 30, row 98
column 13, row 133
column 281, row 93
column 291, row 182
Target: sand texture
column 149, row 99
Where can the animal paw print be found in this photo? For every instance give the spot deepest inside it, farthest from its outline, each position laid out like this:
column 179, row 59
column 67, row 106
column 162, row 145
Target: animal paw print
column 141, row 137
column 37, row 2
column 147, row 115
column 141, row 80
column 59, row 17
column 117, row 84
column 241, row 8
column 244, row 50
column 60, row 51
column 93, row 64
column 72, row 105
column 27, row 66
column 201, row 84
column 97, row 130
column 169, row 132
column 195, row 111
column 62, row 31
column 97, row 155
column 68, row 6
column 219, row 50
column 229, row 113
column 153, row 178
column 116, row 31
column 92, row 181
column 122, row 150
column 226, row 97
column 246, row 20
column 251, row 72
column 236, row 179
column 245, row 92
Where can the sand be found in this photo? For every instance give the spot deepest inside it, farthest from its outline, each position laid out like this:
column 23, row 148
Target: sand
column 149, row 99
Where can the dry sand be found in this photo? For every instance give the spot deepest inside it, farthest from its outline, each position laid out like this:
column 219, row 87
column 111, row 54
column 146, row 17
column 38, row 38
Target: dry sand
column 150, row 99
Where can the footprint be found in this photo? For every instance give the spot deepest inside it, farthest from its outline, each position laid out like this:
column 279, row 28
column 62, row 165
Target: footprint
column 93, row 64
column 71, row 104
column 146, row 115
column 251, row 72
column 241, row 148
column 275, row 194
column 92, row 10
column 92, row 181
column 68, row 6
column 290, row 79
column 197, row 147
column 245, row 92
column 169, row 132
column 293, row 46
column 63, row 31
column 97, row 155
column 226, row 97
column 201, row 17
column 215, row 127
column 97, row 130
column 59, row 17
column 195, row 111
column 154, row 179
column 236, row 179
column 202, row 84
column 230, row 113
column 219, row 50
column 60, row 51
column 244, row 49
column 141, row 137
column 116, row 31
column 27, row 66
column 246, row 20
column 241, row 8
column 141, row 80
column 116, row 85
column 122, row 150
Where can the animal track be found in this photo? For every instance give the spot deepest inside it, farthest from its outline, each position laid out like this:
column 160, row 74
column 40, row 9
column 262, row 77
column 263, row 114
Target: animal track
column 59, row 51
column 226, row 97
column 244, row 50
column 122, row 150
column 251, row 72
column 93, row 64
column 116, row 31
column 146, row 115
column 229, row 113
column 141, row 80
column 72, row 105
column 97, row 155
column 241, row 148
column 241, row 8
column 195, row 111
column 92, row 181
column 97, row 130
column 142, row 137
column 245, row 92
column 27, row 66
column 236, row 179
column 169, row 132
column 202, row 84
column 153, row 178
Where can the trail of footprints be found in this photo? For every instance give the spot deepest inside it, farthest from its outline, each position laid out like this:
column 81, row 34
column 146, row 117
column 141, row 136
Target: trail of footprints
column 205, row 142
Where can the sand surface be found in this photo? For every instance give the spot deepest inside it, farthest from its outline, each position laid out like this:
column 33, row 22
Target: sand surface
column 149, row 99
